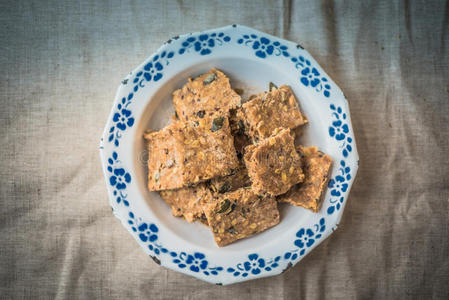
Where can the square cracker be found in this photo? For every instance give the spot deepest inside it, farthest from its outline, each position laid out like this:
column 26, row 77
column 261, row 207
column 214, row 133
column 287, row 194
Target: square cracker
column 184, row 153
column 268, row 111
column 309, row 193
column 273, row 165
column 206, row 95
column 240, row 214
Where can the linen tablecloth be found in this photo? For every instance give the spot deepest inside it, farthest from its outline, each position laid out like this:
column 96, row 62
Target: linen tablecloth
column 61, row 62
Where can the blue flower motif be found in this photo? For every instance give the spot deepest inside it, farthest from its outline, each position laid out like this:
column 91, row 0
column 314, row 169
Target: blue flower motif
column 339, row 185
column 147, row 233
column 123, row 118
column 310, row 76
column 263, row 46
column 339, row 129
column 254, row 264
column 196, row 261
column 204, row 43
column 153, row 70
column 120, row 178
column 304, row 238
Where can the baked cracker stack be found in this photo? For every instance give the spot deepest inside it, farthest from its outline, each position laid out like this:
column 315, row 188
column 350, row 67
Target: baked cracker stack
column 228, row 164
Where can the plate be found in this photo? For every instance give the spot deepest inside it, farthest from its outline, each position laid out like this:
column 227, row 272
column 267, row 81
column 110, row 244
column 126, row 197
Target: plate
column 251, row 59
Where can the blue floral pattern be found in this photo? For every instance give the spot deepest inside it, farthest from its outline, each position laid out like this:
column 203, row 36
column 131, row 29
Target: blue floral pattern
column 338, row 186
column 263, row 46
column 122, row 119
column 306, row 237
column 340, row 129
column 153, row 70
column 195, row 262
column 148, row 234
column 118, row 179
column 254, row 265
column 310, row 76
column 204, row 43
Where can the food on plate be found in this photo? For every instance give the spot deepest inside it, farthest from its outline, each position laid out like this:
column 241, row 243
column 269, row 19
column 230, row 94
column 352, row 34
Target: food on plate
column 238, row 179
column 273, row 164
column 308, row 194
column 268, row 111
column 188, row 202
column 241, row 139
column 207, row 95
column 240, row 214
column 189, row 152
column 228, row 164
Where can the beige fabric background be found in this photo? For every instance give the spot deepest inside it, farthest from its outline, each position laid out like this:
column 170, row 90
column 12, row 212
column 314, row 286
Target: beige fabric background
column 61, row 63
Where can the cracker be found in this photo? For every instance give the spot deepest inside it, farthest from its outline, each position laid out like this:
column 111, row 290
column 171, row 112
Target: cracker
column 240, row 214
column 273, row 165
column 271, row 110
column 207, row 95
column 309, row 193
column 184, row 153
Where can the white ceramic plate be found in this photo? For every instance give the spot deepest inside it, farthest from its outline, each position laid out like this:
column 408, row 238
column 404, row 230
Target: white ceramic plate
column 143, row 101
